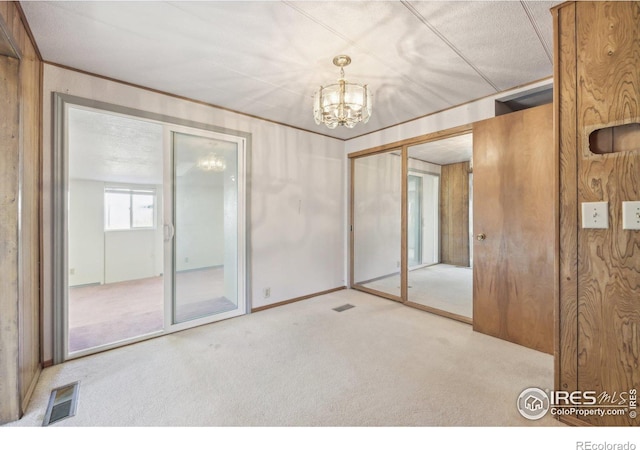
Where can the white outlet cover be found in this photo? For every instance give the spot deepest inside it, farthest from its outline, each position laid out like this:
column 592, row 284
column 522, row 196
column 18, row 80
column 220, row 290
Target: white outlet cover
column 631, row 215
column 595, row 215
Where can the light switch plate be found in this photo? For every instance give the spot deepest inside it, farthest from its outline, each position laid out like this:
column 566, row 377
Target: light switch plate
column 631, row 215
column 595, row 215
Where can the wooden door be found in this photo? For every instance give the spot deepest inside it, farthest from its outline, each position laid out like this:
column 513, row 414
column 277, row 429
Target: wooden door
column 514, row 208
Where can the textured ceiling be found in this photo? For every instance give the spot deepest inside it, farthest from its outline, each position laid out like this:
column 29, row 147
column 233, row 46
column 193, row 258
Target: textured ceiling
column 444, row 151
column 113, row 148
column 121, row 149
column 266, row 58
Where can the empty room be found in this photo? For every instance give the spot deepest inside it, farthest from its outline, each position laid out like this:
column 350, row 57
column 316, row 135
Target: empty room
column 320, row 214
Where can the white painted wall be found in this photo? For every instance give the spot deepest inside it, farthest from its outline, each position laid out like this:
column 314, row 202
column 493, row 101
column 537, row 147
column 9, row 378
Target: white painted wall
column 296, row 230
column 130, row 254
column 199, row 226
column 297, row 214
column 86, row 232
column 377, row 216
column 99, row 256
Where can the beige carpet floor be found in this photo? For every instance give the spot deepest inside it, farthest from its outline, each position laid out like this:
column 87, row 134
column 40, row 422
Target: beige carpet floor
column 304, row 364
column 441, row 286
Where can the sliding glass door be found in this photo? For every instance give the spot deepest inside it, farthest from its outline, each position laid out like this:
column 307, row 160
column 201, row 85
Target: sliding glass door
column 151, row 229
column 205, row 246
column 115, row 290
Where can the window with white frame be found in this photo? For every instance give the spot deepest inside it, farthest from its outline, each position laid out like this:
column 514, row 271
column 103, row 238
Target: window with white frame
column 127, row 208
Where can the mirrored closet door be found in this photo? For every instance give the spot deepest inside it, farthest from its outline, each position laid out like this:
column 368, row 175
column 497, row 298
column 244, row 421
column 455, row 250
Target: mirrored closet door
column 411, row 223
column 439, row 273
column 376, row 223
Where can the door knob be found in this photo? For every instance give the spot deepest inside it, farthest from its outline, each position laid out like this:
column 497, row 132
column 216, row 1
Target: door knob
column 481, row 237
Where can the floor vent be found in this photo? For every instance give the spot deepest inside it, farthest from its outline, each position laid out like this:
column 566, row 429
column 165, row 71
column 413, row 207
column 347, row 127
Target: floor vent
column 343, row 307
column 62, row 404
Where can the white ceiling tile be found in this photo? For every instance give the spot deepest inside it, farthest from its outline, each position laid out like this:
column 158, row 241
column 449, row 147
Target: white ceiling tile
column 416, row 60
column 267, row 58
column 541, row 15
column 444, row 151
column 497, row 37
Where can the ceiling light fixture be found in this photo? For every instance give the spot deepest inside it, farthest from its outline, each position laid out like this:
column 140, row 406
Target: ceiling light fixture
column 342, row 103
column 212, row 163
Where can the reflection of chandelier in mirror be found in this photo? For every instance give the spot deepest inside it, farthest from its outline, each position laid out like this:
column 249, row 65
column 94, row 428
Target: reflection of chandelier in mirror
column 212, row 163
column 343, row 103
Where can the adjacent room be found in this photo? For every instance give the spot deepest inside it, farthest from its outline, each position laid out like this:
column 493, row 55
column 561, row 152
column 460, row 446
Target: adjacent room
column 119, row 243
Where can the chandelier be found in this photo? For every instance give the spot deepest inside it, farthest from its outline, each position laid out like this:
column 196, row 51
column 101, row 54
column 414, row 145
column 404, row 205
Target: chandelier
column 342, row 103
column 213, row 163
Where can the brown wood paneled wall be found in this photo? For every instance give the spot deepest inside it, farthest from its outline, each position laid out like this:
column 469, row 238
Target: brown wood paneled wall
column 565, row 107
column 9, row 68
column 454, row 214
column 20, row 174
column 598, row 79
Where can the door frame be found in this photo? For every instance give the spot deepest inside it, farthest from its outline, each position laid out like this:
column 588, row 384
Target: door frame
column 59, row 226
column 402, row 145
